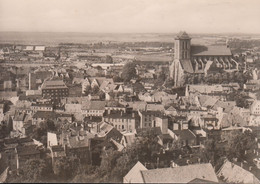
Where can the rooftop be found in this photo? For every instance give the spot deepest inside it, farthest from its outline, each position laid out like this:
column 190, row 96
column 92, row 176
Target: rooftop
column 54, row 84
column 185, row 134
column 94, row 105
column 198, row 50
column 134, row 175
column 182, row 35
column 27, row 150
column 183, row 174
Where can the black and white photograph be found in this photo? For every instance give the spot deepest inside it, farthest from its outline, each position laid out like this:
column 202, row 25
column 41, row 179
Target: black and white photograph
column 130, row 91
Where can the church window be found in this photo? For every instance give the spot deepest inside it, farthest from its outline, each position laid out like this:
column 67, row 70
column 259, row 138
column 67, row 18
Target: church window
column 186, row 45
column 182, row 54
column 183, row 45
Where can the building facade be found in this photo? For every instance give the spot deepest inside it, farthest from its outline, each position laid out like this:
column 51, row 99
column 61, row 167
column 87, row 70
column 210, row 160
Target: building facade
column 54, row 89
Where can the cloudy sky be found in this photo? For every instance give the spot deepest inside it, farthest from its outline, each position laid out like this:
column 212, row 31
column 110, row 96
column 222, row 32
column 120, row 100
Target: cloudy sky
column 128, row 16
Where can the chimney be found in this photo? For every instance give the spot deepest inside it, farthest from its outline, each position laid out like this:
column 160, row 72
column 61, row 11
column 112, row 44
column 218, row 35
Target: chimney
column 250, row 168
column 30, row 81
column 242, row 164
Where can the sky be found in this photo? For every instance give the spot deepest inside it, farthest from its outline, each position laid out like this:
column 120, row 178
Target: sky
column 131, row 16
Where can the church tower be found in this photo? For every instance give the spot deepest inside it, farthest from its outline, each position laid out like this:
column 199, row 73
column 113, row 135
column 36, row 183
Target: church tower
column 182, row 46
column 182, row 55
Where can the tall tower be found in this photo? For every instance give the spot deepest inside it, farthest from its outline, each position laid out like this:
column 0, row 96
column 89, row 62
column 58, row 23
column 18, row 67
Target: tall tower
column 182, row 55
column 182, row 46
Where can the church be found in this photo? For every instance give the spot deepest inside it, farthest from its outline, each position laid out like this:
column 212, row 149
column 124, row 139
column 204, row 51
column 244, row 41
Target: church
column 197, row 59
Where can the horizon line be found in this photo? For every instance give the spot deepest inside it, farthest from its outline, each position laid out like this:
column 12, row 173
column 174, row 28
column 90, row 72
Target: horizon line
column 81, row 32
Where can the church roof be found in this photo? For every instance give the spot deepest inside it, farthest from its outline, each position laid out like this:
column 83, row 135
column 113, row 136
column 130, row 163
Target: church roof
column 182, row 35
column 198, row 50
column 186, row 65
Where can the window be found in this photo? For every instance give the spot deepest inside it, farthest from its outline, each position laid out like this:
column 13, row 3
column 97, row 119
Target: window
column 123, row 126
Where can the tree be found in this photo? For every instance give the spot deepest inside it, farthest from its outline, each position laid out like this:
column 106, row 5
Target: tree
column 40, row 131
column 34, row 170
column 238, row 143
column 128, row 71
column 99, row 68
column 209, row 78
column 240, row 98
column 117, row 79
column 51, row 125
column 109, row 59
column 66, row 167
column 225, row 77
column 169, row 83
column 160, row 80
